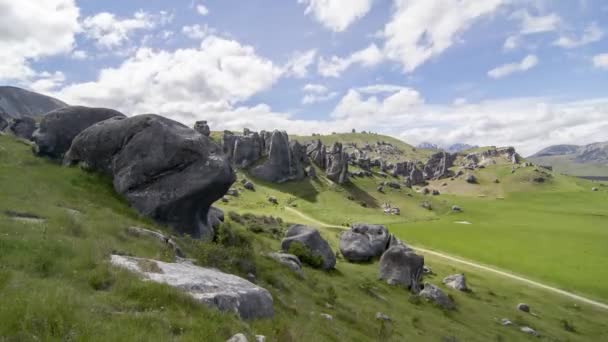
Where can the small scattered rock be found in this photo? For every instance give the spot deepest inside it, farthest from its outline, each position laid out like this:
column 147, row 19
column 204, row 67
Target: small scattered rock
column 529, row 331
column 273, row 200
column 426, row 205
column 436, row 193
column 434, row 294
column 595, row 189
column 456, row 281
column 233, row 193
column 327, row 317
column 260, row 338
column 427, row 269
column 506, row 322
column 288, row 260
column 238, row 338
column 496, row 181
column 523, row 307
column 380, row 189
column 225, row 199
column 471, row 179
column 249, row 186
column 456, row 209
column 382, row 317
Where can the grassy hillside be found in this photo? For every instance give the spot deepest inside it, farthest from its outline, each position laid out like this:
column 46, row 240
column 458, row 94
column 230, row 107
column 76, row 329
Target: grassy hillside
column 567, row 165
column 56, row 283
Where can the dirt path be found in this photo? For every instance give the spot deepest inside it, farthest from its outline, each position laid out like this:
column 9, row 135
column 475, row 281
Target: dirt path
column 476, row 265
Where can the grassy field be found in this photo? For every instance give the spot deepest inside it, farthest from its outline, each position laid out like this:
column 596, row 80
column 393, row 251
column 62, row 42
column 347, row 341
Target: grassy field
column 566, row 165
column 56, row 283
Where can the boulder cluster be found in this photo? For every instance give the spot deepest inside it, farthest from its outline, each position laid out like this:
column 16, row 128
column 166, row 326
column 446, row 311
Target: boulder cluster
column 482, row 159
column 333, row 160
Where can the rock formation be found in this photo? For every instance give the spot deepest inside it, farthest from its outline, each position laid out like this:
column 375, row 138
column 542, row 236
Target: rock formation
column 58, row 128
column 364, row 242
column 399, row 265
column 312, row 241
column 337, row 164
column 22, row 127
column 437, row 167
column 165, row 170
column 223, row 291
column 284, row 161
column 202, row 127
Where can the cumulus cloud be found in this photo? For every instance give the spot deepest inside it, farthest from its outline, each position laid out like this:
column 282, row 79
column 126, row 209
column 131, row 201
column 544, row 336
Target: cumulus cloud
column 601, row 61
column 109, row 32
column 180, row 84
column 592, row 34
column 202, row 10
column 531, row 24
column 30, row 30
column 422, row 29
column 334, row 66
column 505, row 70
column 48, row 82
column 315, row 93
column 197, row 31
column 356, row 105
column 337, row 15
column 299, row 63
column 512, row 42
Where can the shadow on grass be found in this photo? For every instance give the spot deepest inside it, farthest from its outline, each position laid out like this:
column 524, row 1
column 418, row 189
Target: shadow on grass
column 304, row 189
column 361, row 195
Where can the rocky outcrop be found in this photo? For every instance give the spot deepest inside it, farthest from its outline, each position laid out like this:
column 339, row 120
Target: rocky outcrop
column 456, row 281
column 243, row 150
column 337, row 164
column 223, row 291
column 437, row 167
column 313, row 243
column 202, row 127
column 284, row 161
column 434, row 294
column 58, row 128
column 22, row 127
column 488, row 157
column 317, row 153
column 364, row 242
column 399, row 265
column 3, row 123
column 164, row 169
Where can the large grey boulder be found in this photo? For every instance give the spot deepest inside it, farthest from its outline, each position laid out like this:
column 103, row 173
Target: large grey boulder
column 58, row 128
column 312, row 241
column 337, row 164
column 399, row 265
column 317, row 153
column 456, row 281
column 3, row 123
column 283, row 162
column 223, row 291
column 164, row 169
column 364, row 242
column 434, row 294
column 22, row 127
column 202, row 127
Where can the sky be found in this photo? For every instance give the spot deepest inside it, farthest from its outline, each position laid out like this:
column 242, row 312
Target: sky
column 523, row 73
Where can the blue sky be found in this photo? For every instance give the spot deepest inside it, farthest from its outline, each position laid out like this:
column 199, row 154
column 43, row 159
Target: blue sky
column 526, row 73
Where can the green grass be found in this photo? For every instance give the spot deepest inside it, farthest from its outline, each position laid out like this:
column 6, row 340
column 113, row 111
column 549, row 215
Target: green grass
column 566, row 165
column 56, row 283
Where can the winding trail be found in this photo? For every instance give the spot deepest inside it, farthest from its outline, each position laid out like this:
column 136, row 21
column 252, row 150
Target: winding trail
column 475, row 265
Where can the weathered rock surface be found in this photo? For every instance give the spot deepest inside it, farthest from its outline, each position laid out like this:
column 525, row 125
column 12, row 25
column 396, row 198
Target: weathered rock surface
column 337, row 164
column 317, row 153
column 434, row 294
column 437, row 167
column 456, row 281
column 311, row 239
column 399, row 265
column 202, row 127
column 364, row 242
column 289, row 260
column 169, row 242
column 243, row 150
column 284, row 161
column 22, row 127
column 529, row 331
column 58, row 128
column 238, row 338
column 3, row 123
column 523, row 307
column 165, row 170
column 223, row 291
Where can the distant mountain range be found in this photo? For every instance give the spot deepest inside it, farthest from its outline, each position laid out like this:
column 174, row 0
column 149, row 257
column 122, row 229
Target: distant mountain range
column 454, row 148
column 588, row 160
column 16, row 102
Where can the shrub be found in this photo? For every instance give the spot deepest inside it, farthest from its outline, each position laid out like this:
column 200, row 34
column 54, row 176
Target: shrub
column 305, row 255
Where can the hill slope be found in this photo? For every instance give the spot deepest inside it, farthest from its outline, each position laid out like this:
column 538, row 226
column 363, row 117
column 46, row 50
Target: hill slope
column 584, row 161
column 16, row 102
column 56, row 282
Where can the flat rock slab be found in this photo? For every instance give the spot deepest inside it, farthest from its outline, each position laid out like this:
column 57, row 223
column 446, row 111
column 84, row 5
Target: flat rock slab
column 223, row 291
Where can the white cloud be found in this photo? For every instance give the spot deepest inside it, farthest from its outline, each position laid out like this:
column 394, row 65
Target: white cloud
column 298, row 64
column 316, row 98
column 527, row 63
column 601, row 61
column 111, row 32
column 337, row 15
column 80, row 55
column 511, row 42
column 48, row 82
column 380, row 88
column 334, row 66
column 592, row 34
column 202, row 10
column 179, row 84
column 197, row 31
column 315, row 88
column 30, row 30
column 531, row 24
column 354, row 105
column 461, row 101
column 422, row 29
